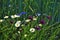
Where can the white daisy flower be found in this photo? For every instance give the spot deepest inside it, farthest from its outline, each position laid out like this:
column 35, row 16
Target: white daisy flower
column 28, row 20
column 1, row 20
column 12, row 16
column 17, row 24
column 32, row 29
column 25, row 35
column 6, row 16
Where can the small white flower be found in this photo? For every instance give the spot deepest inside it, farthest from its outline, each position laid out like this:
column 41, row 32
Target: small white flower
column 17, row 24
column 28, row 20
column 12, row 16
column 34, row 18
column 40, row 24
column 10, row 5
column 22, row 25
column 25, row 35
column 6, row 16
column 1, row 20
column 38, row 14
column 16, row 15
column 18, row 31
column 32, row 29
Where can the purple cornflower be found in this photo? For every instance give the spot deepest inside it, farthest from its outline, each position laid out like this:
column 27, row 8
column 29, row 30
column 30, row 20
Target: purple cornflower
column 49, row 17
column 30, row 17
column 42, row 21
column 37, row 27
column 21, row 13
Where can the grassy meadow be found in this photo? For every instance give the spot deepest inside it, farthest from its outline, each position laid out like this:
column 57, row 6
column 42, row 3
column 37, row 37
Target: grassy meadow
column 29, row 19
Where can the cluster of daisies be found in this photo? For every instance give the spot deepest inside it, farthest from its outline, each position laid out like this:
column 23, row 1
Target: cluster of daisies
column 30, row 18
column 13, row 16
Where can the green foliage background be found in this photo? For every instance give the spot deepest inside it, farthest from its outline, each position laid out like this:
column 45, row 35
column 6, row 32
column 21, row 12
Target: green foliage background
column 49, row 7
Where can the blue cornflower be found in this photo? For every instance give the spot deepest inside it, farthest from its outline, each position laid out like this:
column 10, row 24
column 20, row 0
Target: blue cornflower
column 22, row 13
